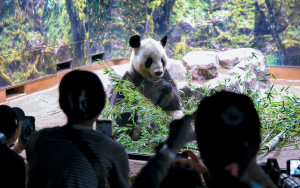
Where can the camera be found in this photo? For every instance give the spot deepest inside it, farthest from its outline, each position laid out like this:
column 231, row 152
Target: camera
column 287, row 181
column 284, row 180
column 293, row 167
column 180, row 155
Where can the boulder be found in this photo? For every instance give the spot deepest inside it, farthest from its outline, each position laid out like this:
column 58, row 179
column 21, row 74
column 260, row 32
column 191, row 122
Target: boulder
column 203, row 65
column 224, row 82
column 63, row 53
column 176, row 69
column 190, row 93
column 120, row 70
column 107, row 85
column 104, row 78
column 47, row 62
column 246, row 59
column 246, row 79
column 227, row 59
column 185, row 89
column 254, row 60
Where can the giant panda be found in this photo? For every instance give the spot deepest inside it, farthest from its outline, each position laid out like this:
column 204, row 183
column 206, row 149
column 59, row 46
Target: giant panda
column 149, row 74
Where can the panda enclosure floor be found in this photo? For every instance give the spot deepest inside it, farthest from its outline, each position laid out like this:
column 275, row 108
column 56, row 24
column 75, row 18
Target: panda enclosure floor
column 43, row 105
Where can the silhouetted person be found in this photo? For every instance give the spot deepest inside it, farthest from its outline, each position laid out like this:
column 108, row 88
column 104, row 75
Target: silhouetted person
column 228, row 134
column 54, row 156
column 12, row 166
column 156, row 170
column 186, row 172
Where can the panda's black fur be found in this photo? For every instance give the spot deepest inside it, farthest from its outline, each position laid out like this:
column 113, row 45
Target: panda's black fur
column 162, row 92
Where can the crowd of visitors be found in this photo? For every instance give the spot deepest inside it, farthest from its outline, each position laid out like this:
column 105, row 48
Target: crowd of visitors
column 226, row 127
column 12, row 165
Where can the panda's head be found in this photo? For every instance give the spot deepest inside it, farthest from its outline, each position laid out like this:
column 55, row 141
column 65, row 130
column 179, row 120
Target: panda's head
column 148, row 57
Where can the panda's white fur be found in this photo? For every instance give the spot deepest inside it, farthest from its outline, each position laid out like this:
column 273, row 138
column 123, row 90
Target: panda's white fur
column 149, row 74
column 149, row 48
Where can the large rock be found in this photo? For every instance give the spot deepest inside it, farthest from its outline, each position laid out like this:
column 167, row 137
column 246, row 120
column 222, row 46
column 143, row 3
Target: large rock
column 104, row 79
column 120, row 70
column 203, row 65
column 188, row 90
column 47, row 62
column 107, row 85
column 227, row 59
column 190, row 93
column 246, row 79
column 254, row 60
column 176, row 69
column 63, row 53
column 224, row 82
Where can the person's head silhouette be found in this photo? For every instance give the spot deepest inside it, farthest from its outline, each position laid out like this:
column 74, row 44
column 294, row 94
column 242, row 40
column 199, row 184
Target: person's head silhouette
column 228, row 132
column 81, row 96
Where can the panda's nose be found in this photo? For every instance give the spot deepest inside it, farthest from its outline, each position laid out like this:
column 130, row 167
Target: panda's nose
column 158, row 73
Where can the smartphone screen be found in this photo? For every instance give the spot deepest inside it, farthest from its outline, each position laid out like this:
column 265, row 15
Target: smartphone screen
column 294, row 167
column 180, row 155
column 105, row 126
column 28, row 126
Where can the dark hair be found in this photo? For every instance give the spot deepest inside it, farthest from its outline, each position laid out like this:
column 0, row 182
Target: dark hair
column 228, row 129
column 81, row 95
column 183, row 173
column 8, row 123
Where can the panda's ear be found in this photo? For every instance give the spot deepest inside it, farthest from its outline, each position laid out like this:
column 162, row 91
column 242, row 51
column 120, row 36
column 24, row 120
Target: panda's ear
column 163, row 41
column 135, row 41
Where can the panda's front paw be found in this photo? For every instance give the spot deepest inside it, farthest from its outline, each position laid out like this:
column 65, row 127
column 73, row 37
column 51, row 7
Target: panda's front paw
column 165, row 87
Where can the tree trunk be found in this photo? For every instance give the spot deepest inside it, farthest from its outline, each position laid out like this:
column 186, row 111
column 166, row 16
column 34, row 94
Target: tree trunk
column 274, row 31
column 17, row 8
column 78, row 34
column 262, row 26
column 161, row 16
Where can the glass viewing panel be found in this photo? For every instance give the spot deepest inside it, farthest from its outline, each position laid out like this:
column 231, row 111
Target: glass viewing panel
column 40, row 38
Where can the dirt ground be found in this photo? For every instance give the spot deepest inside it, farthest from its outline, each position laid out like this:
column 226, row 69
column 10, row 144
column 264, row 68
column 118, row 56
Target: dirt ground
column 44, row 107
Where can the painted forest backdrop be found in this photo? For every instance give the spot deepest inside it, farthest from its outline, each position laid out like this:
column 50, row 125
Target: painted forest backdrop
column 36, row 35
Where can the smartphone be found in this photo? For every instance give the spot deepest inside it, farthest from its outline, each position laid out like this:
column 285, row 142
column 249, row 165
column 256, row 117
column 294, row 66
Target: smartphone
column 28, row 126
column 293, row 167
column 105, row 126
column 180, row 155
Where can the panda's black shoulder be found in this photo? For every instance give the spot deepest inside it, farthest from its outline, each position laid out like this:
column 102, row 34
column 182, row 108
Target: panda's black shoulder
column 134, row 77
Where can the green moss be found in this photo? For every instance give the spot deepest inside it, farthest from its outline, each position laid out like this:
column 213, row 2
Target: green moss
column 5, row 76
column 290, row 42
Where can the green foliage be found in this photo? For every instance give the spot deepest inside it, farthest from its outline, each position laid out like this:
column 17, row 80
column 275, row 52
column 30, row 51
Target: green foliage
column 272, row 59
column 278, row 111
column 135, row 102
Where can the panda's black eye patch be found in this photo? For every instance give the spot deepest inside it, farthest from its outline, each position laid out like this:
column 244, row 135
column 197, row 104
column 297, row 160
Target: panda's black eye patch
column 149, row 62
column 163, row 62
